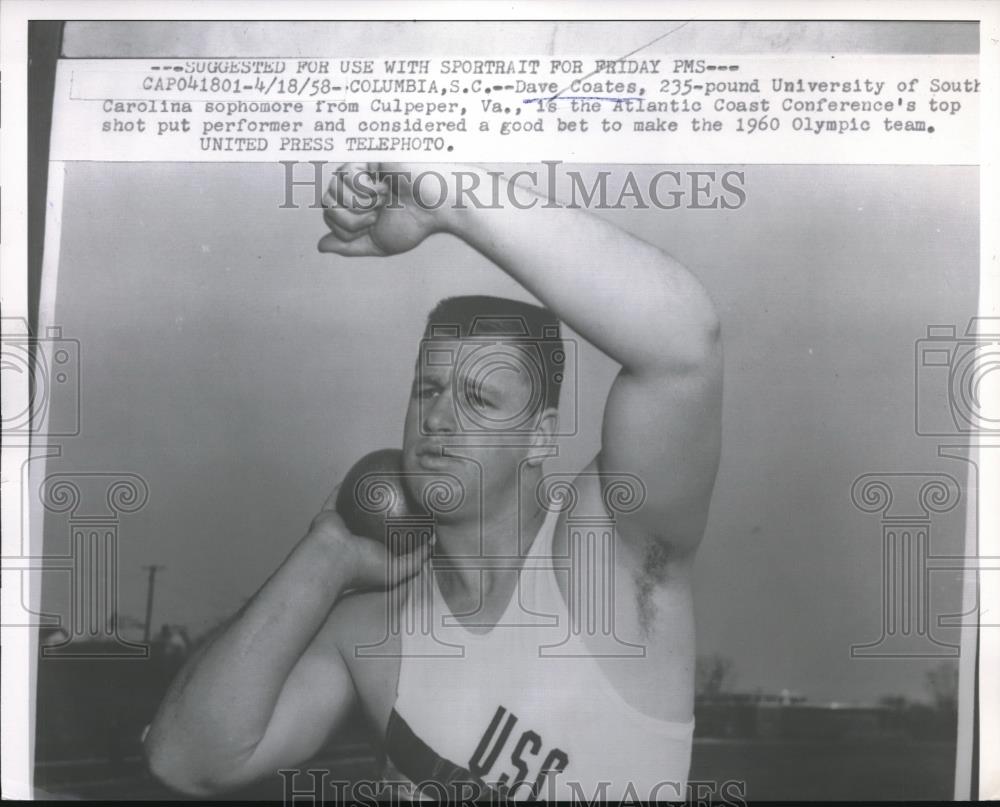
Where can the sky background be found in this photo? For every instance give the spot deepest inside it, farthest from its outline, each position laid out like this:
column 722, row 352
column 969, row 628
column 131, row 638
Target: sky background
column 240, row 372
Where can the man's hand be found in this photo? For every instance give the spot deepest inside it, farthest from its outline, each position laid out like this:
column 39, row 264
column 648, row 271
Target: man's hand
column 370, row 210
column 366, row 563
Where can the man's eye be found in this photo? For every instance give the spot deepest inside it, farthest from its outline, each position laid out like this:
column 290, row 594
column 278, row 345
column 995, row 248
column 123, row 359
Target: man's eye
column 478, row 400
column 425, row 392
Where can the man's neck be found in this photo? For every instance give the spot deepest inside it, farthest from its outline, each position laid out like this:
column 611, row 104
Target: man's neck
column 462, row 545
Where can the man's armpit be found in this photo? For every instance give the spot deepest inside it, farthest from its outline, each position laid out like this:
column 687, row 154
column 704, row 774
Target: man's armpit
column 655, row 567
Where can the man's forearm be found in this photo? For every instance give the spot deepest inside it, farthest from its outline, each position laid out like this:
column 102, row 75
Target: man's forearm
column 635, row 303
column 219, row 706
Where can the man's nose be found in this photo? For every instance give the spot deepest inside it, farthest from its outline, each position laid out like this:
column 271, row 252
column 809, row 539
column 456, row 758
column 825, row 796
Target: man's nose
column 439, row 414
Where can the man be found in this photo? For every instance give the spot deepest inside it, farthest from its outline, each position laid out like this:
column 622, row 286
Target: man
column 601, row 712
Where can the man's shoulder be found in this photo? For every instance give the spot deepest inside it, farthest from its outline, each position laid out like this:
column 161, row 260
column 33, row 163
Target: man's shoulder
column 585, row 494
column 601, row 495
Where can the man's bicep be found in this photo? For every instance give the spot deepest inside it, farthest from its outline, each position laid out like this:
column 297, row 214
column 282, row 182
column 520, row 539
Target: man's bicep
column 317, row 695
column 666, row 430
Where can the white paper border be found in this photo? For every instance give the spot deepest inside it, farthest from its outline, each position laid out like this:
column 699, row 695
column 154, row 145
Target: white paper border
column 17, row 684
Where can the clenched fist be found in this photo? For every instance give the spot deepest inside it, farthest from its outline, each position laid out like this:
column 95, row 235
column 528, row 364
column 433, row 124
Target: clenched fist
column 371, row 210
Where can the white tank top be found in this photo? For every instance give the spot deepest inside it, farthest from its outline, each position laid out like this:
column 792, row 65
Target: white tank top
column 522, row 708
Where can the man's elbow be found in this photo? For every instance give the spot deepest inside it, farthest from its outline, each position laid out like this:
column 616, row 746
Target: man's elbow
column 697, row 351
column 713, row 326
column 710, row 333
column 686, row 330
column 168, row 767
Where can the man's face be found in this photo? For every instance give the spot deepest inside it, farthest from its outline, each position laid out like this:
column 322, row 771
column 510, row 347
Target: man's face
column 475, row 414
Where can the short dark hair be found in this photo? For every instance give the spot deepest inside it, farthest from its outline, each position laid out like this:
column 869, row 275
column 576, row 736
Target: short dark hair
column 531, row 327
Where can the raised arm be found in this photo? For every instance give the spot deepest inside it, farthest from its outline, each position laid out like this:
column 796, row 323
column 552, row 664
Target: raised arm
column 662, row 420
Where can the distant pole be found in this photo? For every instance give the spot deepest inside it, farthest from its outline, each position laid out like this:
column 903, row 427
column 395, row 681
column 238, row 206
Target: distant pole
column 149, row 600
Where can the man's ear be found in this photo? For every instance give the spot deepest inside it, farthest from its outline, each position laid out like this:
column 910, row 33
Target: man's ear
column 544, row 437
